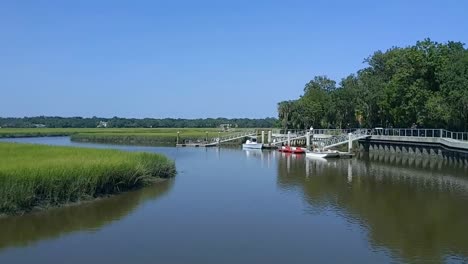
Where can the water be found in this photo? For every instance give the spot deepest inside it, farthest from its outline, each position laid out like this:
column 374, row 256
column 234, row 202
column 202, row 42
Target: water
column 235, row 206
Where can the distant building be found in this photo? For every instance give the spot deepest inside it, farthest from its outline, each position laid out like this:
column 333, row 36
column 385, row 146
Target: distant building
column 39, row 125
column 225, row 127
column 102, row 124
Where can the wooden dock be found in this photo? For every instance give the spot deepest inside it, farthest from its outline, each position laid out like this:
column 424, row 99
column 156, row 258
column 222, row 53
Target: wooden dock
column 196, row 145
column 207, row 145
column 269, row 146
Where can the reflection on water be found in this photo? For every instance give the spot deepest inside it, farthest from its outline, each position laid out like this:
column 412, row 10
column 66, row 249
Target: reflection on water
column 414, row 207
column 229, row 205
column 264, row 157
column 253, row 153
column 26, row 229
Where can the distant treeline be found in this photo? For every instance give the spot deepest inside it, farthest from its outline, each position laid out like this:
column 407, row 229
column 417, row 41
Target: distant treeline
column 424, row 85
column 117, row 122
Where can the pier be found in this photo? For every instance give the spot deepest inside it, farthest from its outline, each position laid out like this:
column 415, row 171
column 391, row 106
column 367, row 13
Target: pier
column 420, row 142
column 432, row 142
column 213, row 142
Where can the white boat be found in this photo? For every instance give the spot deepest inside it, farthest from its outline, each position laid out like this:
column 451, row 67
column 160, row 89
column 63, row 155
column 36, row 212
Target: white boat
column 323, row 154
column 252, row 144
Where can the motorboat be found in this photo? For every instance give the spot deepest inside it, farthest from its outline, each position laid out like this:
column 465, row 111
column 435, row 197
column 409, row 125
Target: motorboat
column 316, row 153
column 295, row 150
column 252, row 143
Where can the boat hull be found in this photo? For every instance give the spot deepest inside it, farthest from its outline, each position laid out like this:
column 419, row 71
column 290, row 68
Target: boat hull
column 323, row 155
column 295, row 150
column 252, row 146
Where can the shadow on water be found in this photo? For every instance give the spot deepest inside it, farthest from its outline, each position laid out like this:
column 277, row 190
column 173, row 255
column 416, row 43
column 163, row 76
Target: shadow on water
column 90, row 216
column 414, row 207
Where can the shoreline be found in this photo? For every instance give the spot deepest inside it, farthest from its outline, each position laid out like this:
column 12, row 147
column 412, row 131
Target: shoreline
column 37, row 177
column 46, row 207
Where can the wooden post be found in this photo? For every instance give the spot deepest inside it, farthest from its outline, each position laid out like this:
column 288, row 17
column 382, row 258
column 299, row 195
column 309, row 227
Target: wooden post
column 263, row 137
column 350, row 142
column 289, row 138
column 206, row 136
column 350, row 171
column 269, row 137
column 178, row 137
column 308, row 140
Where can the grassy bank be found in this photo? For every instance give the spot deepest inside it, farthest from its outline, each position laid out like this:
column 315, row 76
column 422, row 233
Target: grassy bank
column 17, row 230
column 35, row 132
column 147, row 138
column 131, row 136
column 36, row 175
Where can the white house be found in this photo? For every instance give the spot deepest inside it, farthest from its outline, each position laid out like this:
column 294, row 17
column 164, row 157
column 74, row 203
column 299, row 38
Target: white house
column 102, row 124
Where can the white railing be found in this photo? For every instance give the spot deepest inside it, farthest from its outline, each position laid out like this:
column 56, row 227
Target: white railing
column 233, row 137
column 420, row 132
column 338, row 136
column 216, row 140
column 290, row 135
column 333, row 131
column 344, row 138
column 399, row 132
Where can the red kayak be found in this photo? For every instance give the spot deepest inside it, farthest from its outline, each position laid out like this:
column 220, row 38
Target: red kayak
column 295, row 150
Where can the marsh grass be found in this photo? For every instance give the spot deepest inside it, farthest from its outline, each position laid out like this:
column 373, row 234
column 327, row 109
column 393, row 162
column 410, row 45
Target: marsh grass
column 133, row 136
column 128, row 136
column 158, row 138
column 37, row 175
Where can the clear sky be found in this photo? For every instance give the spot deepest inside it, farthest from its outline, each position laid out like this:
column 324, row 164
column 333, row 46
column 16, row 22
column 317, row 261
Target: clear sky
column 192, row 59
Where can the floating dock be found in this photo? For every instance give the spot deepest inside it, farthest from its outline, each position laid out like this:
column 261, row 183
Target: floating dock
column 196, row 145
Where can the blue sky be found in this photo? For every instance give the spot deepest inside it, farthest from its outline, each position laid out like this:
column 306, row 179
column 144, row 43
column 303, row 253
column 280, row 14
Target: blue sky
column 192, row 59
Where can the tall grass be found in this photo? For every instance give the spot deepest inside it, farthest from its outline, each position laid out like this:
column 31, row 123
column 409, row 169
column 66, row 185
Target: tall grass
column 155, row 138
column 131, row 136
column 36, row 175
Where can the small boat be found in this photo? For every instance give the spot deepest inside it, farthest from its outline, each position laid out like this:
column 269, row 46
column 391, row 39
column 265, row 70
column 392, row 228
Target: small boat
column 295, row 150
column 322, row 154
column 252, row 144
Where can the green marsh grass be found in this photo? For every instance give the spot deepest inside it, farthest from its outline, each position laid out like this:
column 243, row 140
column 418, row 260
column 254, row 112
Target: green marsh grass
column 131, row 136
column 145, row 138
column 42, row 176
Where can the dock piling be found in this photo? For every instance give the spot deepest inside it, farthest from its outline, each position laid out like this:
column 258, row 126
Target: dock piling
column 350, row 142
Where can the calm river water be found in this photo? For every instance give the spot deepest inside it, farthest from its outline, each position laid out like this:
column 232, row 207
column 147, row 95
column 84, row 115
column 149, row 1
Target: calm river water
column 234, row 206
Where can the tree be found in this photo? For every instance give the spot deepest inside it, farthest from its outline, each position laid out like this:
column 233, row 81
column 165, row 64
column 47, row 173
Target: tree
column 285, row 109
column 424, row 84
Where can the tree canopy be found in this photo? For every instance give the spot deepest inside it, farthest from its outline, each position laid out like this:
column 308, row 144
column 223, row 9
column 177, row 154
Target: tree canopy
column 81, row 122
column 425, row 85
